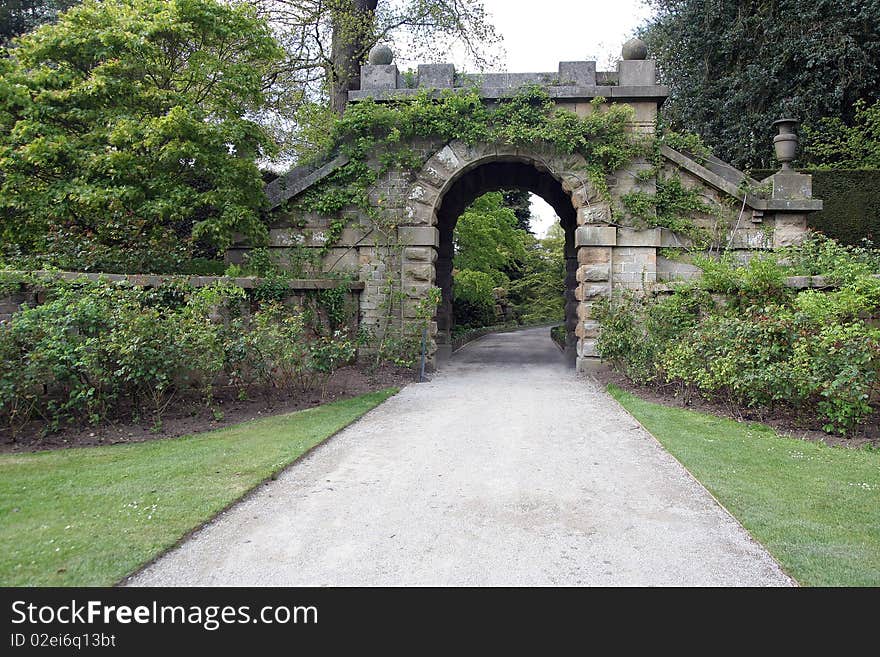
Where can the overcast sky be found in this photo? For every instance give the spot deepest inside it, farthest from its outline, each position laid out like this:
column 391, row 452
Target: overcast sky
column 539, row 35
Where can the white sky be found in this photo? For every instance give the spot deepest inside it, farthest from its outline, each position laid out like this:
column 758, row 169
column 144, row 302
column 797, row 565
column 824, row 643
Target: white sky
column 539, row 35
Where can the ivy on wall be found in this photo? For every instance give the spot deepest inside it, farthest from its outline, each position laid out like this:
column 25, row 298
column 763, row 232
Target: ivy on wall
column 376, row 137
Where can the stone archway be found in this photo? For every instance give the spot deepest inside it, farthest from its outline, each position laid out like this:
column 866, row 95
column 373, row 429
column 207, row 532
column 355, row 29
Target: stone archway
column 459, row 173
column 398, row 263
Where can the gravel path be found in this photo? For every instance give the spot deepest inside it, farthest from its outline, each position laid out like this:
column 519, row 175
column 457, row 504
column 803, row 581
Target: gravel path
column 505, row 469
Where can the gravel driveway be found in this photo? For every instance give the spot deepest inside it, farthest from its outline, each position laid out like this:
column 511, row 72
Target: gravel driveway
column 505, row 469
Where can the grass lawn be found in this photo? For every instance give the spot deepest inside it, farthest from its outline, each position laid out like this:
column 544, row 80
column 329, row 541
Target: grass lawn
column 92, row 515
column 815, row 508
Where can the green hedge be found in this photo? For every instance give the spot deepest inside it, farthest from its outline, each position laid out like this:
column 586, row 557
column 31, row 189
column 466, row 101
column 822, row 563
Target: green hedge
column 851, row 209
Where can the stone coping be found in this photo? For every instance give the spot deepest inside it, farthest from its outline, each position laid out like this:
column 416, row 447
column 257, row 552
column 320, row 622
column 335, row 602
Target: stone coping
column 155, row 280
column 611, row 93
column 794, row 282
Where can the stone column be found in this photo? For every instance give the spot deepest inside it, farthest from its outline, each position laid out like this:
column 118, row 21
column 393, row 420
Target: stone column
column 595, row 244
column 417, row 275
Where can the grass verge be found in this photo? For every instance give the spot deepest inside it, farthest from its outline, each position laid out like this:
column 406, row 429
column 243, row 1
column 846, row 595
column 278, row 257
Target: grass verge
column 815, row 508
column 90, row 516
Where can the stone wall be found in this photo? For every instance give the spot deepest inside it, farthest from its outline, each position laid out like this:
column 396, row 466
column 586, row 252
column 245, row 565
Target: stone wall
column 35, row 295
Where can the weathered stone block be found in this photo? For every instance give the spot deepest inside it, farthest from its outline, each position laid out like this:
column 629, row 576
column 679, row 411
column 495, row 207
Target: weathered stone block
column 595, row 236
column 379, row 76
column 792, row 185
column 436, row 76
column 419, row 236
column 585, row 292
column 591, row 273
column 630, row 237
column 587, row 348
column 789, row 231
column 637, row 72
column 419, row 273
column 594, row 214
column 580, row 74
column 420, row 254
column 594, row 255
column 422, row 193
column 589, row 329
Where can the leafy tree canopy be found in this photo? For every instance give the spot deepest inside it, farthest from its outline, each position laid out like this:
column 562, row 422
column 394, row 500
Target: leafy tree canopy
column 493, row 250
column 129, row 121
column 735, row 66
column 487, row 238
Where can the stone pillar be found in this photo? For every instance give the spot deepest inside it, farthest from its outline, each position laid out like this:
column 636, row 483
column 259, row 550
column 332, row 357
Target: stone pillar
column 790, row 227
column 595, row 245
column 417, row 274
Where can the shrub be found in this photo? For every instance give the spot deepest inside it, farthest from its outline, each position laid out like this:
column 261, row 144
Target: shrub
column 96, row 350
column 759, row 345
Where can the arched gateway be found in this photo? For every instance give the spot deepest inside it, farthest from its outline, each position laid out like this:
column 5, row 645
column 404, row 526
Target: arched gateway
column 608, row 244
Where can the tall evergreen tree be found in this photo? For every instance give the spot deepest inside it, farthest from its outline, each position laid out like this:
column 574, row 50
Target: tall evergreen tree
column 734, row 66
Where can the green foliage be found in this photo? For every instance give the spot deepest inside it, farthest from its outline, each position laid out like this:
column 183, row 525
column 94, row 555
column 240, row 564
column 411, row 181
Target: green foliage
column 519, row 200
column 819, row 255
column 474, row 304
column 527, row 118
column 125, row 123
column 537, row 291
column 832, row 144
column 760, row 278
column 735, row 66
column 94, row 351
column 759, row 345
column 487, row 238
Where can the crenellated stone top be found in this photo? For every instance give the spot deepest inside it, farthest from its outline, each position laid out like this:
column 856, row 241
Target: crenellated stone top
column 634, row 79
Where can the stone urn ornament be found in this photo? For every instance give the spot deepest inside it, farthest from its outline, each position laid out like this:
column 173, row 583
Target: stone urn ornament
column 785, row 142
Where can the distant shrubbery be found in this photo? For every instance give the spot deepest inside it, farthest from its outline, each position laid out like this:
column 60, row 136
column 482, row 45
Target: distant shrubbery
column 740, row 335
column 96, row 351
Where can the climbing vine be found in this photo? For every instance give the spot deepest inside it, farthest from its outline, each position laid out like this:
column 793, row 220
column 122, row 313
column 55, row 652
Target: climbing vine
column 673, row 205
column 528, row 117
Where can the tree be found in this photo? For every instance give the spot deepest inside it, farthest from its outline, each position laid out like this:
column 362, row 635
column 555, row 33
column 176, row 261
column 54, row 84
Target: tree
column 128, row 122
column 735, row 66
column 538, row 294
column 519, row 200
column 20, row 16
column 326, row 41
column 488, row 240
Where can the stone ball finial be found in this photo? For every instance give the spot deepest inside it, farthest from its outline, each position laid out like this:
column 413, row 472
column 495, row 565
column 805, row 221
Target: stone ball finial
column 380, row 54
column 635, row 49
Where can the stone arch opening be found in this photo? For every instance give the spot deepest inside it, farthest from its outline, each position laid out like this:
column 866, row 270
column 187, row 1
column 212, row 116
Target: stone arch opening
column 488, row 175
